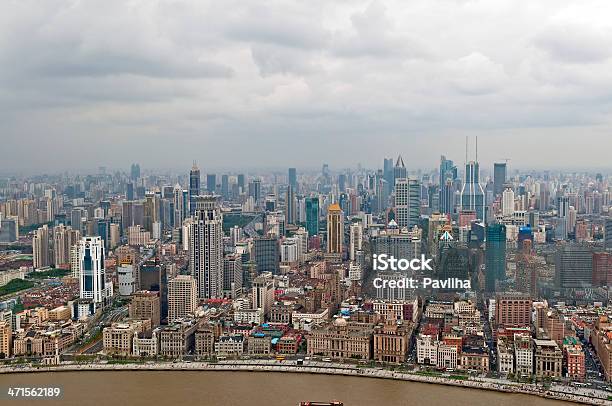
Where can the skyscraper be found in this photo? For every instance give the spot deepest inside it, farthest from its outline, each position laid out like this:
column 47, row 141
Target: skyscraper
column 356, row 240
column 135, row 171
column 267, row 254
column 499, row 177
column 225, row 186
column 472, row 194
column 194, row 187
column 495, row 256
column 407, row 202
column 574, row 266
column 255, row 191
column 312, row 215
column 240, row 182
column 335, row 229
column 206, row 247
column 447, row 170
column 608, row 233
column 178, row 206
column 448, row 174
column 290, row 203
column 388, row 170
column 292, row 179
column 399, row 170
column 211, row 183
column 92, row 282
column 64, row 238
column 40, row 248
column 508, row 202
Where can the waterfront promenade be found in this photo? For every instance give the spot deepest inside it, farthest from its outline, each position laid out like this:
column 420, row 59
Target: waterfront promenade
column 558, row 392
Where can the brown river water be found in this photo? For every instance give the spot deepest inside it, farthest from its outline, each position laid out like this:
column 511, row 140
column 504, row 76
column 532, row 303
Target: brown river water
column 156, row 388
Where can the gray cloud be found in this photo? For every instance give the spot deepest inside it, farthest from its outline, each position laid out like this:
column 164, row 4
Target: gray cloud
column 282, row 83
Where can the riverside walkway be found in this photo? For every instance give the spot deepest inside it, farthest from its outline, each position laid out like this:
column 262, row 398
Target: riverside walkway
column 559, row 392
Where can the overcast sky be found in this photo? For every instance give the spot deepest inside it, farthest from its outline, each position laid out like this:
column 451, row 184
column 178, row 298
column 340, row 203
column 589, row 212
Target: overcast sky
column 297, row 83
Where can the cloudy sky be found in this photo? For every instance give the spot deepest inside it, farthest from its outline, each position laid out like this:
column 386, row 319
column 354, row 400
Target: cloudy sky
column 297, row 83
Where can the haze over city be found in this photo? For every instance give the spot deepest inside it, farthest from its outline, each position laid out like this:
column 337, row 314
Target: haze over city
column 280, row 84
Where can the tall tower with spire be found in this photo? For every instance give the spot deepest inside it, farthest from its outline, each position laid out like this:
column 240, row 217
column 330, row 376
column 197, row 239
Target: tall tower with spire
column 399, row 170
column 472, row 193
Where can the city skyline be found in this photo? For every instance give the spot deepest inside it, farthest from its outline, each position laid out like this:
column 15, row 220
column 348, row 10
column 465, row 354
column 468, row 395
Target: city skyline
column 364, row 78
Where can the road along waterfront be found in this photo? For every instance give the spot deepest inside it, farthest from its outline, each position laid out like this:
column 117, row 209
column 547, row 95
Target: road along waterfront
column 264, row 388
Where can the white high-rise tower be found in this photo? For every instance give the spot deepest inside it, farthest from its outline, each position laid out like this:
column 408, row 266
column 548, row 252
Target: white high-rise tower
column 206, row 247
column 508, row 202
column 92, row 283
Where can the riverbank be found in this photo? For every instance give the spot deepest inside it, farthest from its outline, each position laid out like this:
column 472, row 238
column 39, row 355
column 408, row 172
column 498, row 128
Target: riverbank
column 556, row 392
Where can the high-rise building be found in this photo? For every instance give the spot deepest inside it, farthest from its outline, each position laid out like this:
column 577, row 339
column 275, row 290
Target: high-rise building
column 312, row 215
column 472, row 194
column 508, row 202
column 388, row 170
column 179, row 214
column 499, row 177
column 454, row 261
column 602, row 269
column 608, row 233
column 240, row 182
column 267, row 254
column 225, row 186
column 40, row 248
column 356, row 240
column 263, row 293
column 447, row 170
column 292, row 179
column 574, row 266
column 206, row 247
column 232, row 275
column 145, row 304
column 92, row 278
column 399, row 170
column 6, row 338
column 407, row 202
column 64, row 238
column 194, row 187
column 126, row 278
column 495, row 256
column 9, row 229
column 135, row 171
column 255, row 191
column 290, row 203
column 211, row 183
column 448, row 175
column 335, row 229
column 513, row 310
column 182, row 297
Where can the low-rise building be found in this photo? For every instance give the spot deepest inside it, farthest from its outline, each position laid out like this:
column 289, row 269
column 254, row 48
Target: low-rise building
column 505, row 357
column 391, row 342
column 118, row 338
column 178, row 338
column 574, row 359
column 146, row 343
column 523, row 355
column 548, row 359
column 230, row 345
column 259, row 344
column 341, row 340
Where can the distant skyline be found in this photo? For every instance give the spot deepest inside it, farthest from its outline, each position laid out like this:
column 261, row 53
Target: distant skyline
column 289, row 83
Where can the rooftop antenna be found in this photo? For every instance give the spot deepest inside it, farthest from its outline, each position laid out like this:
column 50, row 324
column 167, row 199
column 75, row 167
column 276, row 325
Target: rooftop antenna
column 476, row 148
column 466, row 149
